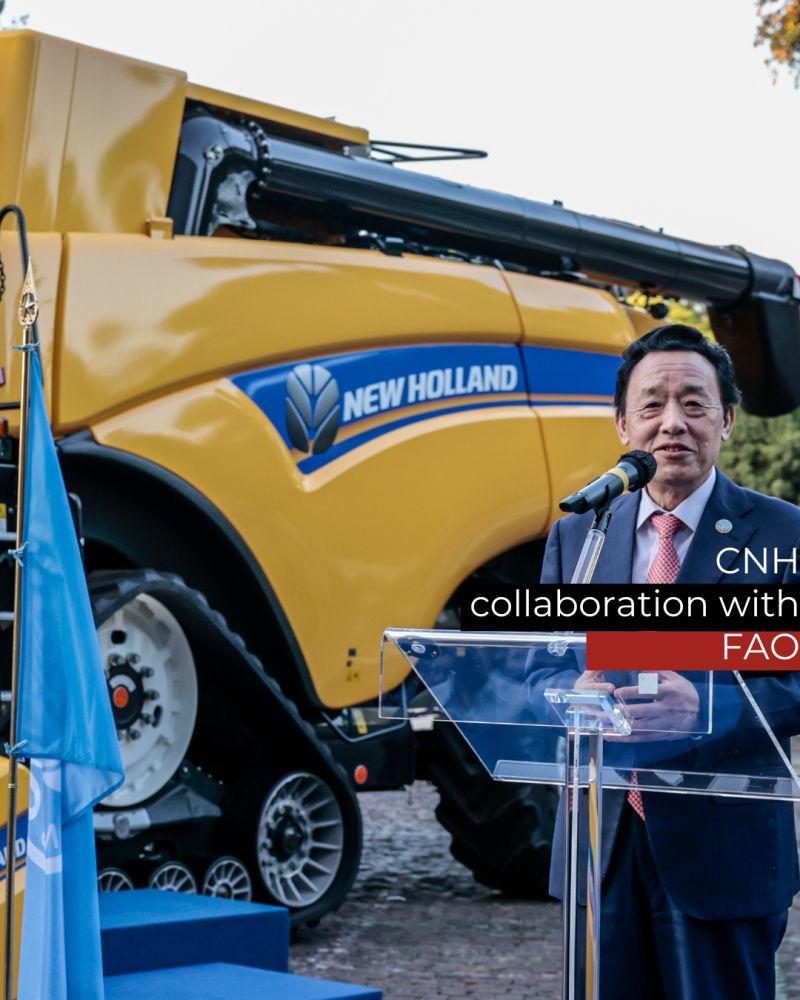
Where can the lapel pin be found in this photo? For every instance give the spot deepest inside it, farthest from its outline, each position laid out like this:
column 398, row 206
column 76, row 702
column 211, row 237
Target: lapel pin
column 723, row 526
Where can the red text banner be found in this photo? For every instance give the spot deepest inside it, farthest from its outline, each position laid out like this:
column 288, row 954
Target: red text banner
column 684, row 651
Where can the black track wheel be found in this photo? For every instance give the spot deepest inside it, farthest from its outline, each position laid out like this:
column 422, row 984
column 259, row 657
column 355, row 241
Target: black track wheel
column 293, row 836
column 501, row 831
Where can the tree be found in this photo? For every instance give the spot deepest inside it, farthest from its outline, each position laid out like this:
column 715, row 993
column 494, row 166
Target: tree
column 764, row 454
column 778, row 29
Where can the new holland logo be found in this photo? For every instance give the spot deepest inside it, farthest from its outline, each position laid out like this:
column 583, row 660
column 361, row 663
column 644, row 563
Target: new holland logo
column 312, row 408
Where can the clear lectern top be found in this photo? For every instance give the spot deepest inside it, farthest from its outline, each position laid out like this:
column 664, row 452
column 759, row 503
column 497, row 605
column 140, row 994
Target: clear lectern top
column 512, row 697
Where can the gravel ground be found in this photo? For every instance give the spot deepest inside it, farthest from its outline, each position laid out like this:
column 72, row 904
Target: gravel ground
column 417, row 925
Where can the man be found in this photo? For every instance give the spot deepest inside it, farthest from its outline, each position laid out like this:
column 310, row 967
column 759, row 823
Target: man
column 695, row 890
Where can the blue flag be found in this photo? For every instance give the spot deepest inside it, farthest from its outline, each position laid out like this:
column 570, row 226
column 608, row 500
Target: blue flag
column 65, row 719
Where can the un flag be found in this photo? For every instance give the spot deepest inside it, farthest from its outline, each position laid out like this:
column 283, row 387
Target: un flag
column 65, row 720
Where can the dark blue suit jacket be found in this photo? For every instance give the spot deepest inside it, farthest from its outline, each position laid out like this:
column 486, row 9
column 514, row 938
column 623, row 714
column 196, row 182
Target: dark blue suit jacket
column 717, row 858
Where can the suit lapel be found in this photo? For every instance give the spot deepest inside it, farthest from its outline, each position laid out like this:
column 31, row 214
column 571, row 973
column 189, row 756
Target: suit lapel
column 615, row 564
column 727, row 502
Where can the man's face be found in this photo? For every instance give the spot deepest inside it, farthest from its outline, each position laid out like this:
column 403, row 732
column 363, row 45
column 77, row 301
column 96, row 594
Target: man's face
column 674, row 410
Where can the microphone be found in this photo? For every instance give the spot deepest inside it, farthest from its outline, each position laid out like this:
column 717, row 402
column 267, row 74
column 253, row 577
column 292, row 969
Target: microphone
column 634, row 470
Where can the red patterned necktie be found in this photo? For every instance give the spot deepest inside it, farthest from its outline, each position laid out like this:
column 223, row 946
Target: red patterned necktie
column 665, row 568
column 666, row 564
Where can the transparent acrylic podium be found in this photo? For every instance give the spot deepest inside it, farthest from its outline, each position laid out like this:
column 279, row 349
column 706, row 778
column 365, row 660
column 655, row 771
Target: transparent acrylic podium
column 525, row 705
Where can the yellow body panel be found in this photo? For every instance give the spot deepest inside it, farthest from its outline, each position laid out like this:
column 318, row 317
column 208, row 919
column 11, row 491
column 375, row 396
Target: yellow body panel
column 146, row 372
column 562, row 314
column 116, row 176
column 101, row 134
column 448, row 493
column 581, row 443
column 580, row 440
column 321, row 130
column 641, row 320
column 46, row 254
column 36, row 73
column 170, row 312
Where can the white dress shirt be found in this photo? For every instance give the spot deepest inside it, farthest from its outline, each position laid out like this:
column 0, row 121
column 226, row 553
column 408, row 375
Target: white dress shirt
column 646, row 541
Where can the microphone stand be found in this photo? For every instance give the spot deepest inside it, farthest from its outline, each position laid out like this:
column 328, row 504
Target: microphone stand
column 584, row 726
column 592, row 546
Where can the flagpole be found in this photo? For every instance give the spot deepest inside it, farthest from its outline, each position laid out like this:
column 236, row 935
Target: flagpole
column 28, row 311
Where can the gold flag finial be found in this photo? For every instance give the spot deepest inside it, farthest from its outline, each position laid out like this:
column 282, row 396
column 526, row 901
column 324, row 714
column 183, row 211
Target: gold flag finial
column 28, row 302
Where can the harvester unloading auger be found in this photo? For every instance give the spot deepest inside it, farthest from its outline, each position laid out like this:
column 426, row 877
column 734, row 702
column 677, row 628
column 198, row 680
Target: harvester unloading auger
column 753, row 300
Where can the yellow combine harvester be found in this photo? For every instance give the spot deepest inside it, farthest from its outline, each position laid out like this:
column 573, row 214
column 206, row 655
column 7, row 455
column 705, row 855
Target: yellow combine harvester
column 303, row 394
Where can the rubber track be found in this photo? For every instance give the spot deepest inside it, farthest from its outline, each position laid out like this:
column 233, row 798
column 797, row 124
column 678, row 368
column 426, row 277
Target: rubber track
column 111, row 590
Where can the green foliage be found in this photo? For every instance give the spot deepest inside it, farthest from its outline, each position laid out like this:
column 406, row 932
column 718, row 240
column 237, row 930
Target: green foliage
column 764, row 454
column 690, row 314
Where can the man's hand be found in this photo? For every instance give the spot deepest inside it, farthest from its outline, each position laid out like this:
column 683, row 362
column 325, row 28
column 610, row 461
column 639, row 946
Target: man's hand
column 675, row 710
column 594, row 680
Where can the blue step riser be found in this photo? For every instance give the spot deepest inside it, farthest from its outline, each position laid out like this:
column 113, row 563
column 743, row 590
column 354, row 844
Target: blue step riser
column 145, row 929
column 229, row 982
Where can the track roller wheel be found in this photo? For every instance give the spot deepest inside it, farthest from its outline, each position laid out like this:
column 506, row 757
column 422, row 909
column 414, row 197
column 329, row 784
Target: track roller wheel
column 228, row 878
column 113, row 880
column 172, row 876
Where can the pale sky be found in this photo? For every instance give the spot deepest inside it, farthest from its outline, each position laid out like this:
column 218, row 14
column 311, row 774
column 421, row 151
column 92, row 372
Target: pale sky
column 657, row 113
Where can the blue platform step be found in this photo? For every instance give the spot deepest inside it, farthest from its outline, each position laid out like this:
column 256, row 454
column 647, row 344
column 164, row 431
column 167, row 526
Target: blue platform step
column 159, row 945
column 145, row 929
column 229, row 982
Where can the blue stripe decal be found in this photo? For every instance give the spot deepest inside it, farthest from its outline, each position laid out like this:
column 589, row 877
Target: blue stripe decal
column 311, row 403
column 569, row 373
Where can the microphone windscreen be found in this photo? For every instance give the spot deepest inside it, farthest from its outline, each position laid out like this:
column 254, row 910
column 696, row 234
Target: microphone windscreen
column 645, row 465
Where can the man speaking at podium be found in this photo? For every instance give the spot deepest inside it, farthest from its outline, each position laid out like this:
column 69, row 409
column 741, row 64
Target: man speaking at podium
column 696, row 890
